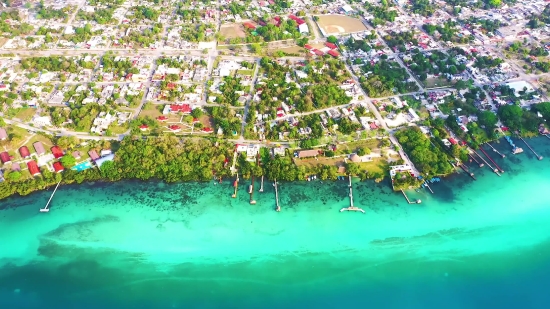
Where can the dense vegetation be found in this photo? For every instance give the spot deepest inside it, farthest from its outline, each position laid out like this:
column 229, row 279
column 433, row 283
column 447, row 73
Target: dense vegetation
column 427, row 157
column 422, row 7
column 381, row 13
column 448, row 32
column 385, row 78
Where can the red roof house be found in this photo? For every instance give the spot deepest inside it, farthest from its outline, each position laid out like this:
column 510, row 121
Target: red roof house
column 249, row 26
column 298, row 20
column 58, row 167
column 33, row 168
column 453, row 141
column 162, row 118
column 93, row 155
column 24, row 152
column 318, row 52
column 143, row 127
column 307, row 46
column 5, row 157
column 184, row 108
column 207, row 130
column 57, row 152
column 334, row 53
column 331, row 45
column 174, row 128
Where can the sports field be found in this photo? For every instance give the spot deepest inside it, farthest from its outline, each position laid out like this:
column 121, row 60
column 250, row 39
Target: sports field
column 339, row 24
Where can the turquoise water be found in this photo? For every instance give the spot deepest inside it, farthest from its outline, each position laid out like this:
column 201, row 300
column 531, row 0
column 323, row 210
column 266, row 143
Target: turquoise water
column 472, row 244
column 83, row 166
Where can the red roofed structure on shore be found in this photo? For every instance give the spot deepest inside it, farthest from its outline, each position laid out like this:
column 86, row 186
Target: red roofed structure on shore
column 207, row 130
column 249, row 26
column 24, row 152
column 5, row 157
column 162, row 118
column 33, row 168
column 57, row 152
column 58, row 167
column 334, row 53
column 318, row 52
column 331, row 45
column 184, row 108
column 143, row 127
column 307, row 46
column 297, row 19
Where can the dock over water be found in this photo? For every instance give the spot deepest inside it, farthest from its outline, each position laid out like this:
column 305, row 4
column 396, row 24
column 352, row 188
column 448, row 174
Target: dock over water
column 407, row 198
column 494, row 149
column 276, row 196
column 351, row 206
column 536, row 155
column 46, row 209
column 491, row 159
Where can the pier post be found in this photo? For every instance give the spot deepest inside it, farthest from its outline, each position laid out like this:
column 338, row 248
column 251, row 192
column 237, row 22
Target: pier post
column 262, row 184
column 46, row 209
column 276, row 196
column 235, row 185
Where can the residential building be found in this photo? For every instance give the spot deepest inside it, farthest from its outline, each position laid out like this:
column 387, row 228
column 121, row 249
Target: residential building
column 24, row 152
column 3, row 134
column 33, row 168
column 39, row 148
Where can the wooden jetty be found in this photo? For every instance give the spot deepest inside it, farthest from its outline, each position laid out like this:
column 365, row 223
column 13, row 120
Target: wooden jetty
column 46, row 209
column 489, row 165
column 428, row 186
column 536, row 155
column 276, row 196
column 407, row 198
column 494, row 149
column 262, row 184
column 351, row 206
column 475, row 160
column 251, row 191
column 235, row 186
column 491, row 159
column 547, row 135
column 467, row 170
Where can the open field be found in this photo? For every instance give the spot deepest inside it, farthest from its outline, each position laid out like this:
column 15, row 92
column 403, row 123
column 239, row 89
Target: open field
column 232, row 31
column 151, row 110
column 311, row 162
column 351, row 147
column 339, row 24
column 437, row 82
column 25, row 113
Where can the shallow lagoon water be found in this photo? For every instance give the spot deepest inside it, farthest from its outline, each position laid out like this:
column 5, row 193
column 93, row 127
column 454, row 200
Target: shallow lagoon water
column 472, row 244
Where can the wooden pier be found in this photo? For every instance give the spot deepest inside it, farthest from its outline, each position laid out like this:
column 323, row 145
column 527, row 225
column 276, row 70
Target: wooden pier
column 491, row 159
column 276, row 196
column 262, row 184
column 251, row 191
column 235, row 186
column 407, row 198
column 475, row 160
column 536, row 155
column 428, row 186
column 351, row 206
column 489, row 165
column 467, row 170
column 494, row 149
column 46, row 209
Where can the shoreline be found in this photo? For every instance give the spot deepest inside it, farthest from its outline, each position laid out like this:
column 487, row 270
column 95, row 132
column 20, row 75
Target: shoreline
column 95, row 175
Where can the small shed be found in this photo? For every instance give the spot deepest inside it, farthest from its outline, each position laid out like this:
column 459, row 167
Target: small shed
column 308, row 153
column 76, row 154
column 3, row 134
column 16, row 167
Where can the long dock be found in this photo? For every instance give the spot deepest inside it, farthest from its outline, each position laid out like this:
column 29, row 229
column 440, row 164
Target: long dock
column 494, row 149
column 407, row 198
column 46, row 209
column 484, row 161
column 235, row 186
column 276, row 196
column 475, row 160
column 487, row 155
column 539, row 157
column 351, row 206
column 251, row 191
column 262, row 184
column 467, row 170
column 428, row 186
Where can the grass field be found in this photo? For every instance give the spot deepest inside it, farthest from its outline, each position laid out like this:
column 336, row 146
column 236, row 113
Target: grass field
column 338, row 24
column 437, row 82
column 351, row 147
column 151, row 110
column 25, row 113
column 232, row 31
